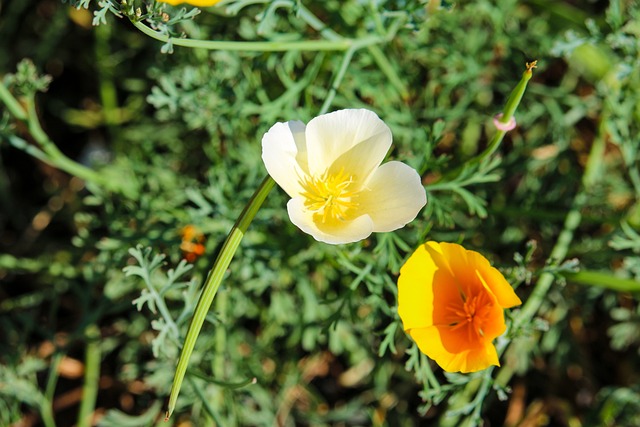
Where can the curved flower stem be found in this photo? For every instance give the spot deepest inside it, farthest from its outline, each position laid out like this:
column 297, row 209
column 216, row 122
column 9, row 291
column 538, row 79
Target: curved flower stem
column 509, row 110
column 259, row 46
column 334, row 41
column 211, row 285
column 603, row 280
column 507, row 115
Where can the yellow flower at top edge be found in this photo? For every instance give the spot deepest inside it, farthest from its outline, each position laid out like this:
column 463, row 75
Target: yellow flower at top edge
column 331, row 168
column 198, row 3
column 451, row 301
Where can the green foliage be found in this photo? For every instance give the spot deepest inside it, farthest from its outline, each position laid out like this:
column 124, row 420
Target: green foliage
column 120, row 419
column 18, row 386
column 154, row 295
column 303, row 333
column 616, row 406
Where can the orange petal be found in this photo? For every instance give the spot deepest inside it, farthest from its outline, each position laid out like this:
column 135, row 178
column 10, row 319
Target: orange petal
column 458, row 340
column 495, row 281
column 471, row 360
column 452, row 258
column 425, row 290
column 494, row 326
column 415, row 293
column 461, row 268
column 435, row 252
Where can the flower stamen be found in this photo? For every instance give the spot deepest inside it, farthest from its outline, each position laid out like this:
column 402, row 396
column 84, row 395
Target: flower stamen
column 469, row 312
column 330, row 196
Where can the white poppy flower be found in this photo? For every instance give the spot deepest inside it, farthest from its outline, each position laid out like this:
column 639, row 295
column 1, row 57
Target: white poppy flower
column 331, row 169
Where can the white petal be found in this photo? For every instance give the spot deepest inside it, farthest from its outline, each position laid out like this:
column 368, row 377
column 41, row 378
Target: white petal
column 394, row 196
column 348, row 231
column 284, row 154
column 332, row 135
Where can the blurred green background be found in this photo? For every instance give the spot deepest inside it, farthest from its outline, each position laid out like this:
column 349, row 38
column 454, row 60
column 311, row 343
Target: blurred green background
column 177, row 136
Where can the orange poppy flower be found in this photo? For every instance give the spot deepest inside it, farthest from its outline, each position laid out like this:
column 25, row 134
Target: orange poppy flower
column 451, row 301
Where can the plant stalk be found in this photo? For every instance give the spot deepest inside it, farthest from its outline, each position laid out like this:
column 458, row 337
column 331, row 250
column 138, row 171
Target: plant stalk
column 212, row 283
column 509, row 110
column 258, row 46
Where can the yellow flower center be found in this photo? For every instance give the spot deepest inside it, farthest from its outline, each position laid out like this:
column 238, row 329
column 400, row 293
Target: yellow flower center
column 332, row 197
column 472, row 314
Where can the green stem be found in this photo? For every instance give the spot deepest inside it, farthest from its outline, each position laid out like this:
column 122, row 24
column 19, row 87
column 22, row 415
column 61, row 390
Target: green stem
column 214, row 279
column 634, row 176
column 45, row 403
column 603, row 280
column 12, row 104
column 479, row 387
column 46, row 413
column 262, row 46
column 52, row 379
column 516, row 95
column 336, row 43
column 221, row 335
column 91, row 377
column 375, row 13
column 509, row 110
column 565, row 12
